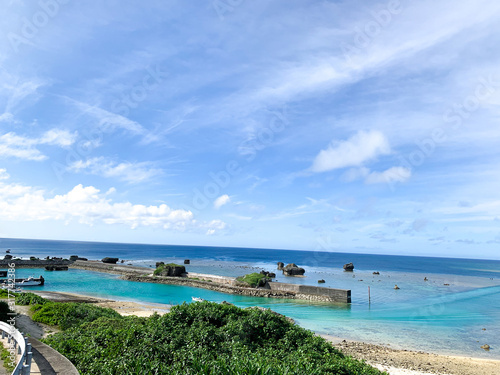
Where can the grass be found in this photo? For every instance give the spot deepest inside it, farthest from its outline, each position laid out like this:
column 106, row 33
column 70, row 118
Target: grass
column 5, row 357
column 252, row 279
column 161, row 267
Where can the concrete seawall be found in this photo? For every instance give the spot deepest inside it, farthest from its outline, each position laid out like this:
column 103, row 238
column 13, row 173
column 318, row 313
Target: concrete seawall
column 212, row 282
column 322, row 293
column 221, row 284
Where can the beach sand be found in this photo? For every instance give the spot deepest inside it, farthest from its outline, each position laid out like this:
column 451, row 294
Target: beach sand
column 395, row 362
column 404, row 362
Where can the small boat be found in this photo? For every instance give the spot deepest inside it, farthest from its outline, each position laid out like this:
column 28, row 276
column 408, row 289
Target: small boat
column 29, row 281
column 197, row 299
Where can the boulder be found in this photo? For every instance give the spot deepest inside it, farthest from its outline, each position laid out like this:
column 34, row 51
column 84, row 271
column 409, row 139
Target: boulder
column 109, row 260
column 85, row 259
column 376, row 273
column 73, row 258
column 187, row 261
column 172, row 270
column 281, row 265
column 396, row 287
column 321, row 281
column 271, row 275
column 293, row 270
column 348, row 267
column 56, row 268
column 158, row 264
column 485, row 347
column 7, row 257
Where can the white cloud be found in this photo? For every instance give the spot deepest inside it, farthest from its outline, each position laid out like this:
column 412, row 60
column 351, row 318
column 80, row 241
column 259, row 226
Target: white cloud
column 391, row 175
column 58, row 137
column 221, row 201
column 126, row 171
column 360, row 148
column 88, row 205
column 3, row 174
column 13, row 145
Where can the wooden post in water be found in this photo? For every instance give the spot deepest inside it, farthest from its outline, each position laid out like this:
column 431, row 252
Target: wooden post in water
column 369, row 298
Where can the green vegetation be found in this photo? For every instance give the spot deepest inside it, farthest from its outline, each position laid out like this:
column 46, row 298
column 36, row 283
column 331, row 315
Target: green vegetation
column 29, row 299
column 253, row 279
column 5, row 357
column 161, row 267
column 70, row 314
column 198, row 338
column 4, row 293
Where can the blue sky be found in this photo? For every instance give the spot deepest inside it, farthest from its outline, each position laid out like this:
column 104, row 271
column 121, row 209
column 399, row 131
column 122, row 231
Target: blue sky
column 353, row 126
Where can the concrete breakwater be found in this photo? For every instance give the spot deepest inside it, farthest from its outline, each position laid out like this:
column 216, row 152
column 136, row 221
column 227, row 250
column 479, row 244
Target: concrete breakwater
column 221, row 283
column 39, row 263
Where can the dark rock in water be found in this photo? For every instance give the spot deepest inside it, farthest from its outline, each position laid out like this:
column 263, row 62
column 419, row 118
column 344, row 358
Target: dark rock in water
column 187, row 261
column 349, row 267
column 271, row 275
column 34, row 258
column 7, row 257
column 172, row 271
column 396, row 286
column 376, row 273
column 158, row 264
column 73, row 258
column 281, row 265
column 56, row 268
column 485, row 347
column 7, row 251
column 293, row 270
column 226, row 303
column 122, row 261
column 109, row 260
column 321, row 281
column 84, row 259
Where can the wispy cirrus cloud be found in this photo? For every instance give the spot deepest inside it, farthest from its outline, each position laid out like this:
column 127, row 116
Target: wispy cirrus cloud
column 106, row 120
column 124, row 171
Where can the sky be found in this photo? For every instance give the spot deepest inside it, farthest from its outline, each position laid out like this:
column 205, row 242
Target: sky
column 343, row 126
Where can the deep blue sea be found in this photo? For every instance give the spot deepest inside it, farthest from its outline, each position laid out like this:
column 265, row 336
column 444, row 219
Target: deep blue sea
column 456, row 318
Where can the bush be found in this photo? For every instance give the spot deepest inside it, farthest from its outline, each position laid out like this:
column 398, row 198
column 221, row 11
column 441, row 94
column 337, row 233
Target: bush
column 253, row 279
column 4, row 311
column 202, row 338
column 70, row 314
column 30, row 299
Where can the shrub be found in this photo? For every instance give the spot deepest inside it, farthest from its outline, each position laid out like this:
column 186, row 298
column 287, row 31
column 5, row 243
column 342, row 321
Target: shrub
column 70, row 314
column 30, row 299
column 202, row 338
column 4, row 311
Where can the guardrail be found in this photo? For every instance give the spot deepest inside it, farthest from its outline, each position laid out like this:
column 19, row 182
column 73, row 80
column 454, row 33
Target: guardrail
column 20, row 344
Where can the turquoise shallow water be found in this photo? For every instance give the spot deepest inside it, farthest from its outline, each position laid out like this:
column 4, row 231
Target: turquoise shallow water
column 422, row 315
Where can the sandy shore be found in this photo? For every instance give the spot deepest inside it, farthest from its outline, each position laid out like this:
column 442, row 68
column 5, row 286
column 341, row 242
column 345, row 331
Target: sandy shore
column 404, row 362
column 395, row 362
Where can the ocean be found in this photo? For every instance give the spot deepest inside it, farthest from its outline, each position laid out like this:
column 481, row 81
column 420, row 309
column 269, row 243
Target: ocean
column 454, row 312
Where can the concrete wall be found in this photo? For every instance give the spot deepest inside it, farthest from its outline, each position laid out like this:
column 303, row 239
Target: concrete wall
column 335, row 295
